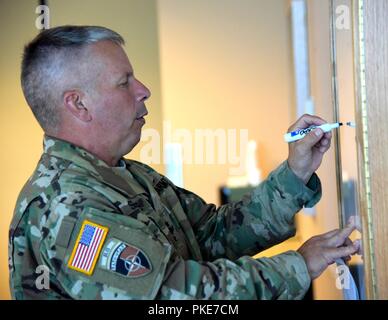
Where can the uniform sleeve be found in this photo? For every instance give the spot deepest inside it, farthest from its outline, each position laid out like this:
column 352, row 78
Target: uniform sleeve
column 99, row 254
column 283, row 277
column 263, row 218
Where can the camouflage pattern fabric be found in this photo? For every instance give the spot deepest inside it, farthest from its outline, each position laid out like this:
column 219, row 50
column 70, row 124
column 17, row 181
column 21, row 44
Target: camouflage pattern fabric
column 157, row 241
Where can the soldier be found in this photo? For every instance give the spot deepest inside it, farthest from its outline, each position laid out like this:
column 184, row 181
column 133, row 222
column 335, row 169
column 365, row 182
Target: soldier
column 104, row 227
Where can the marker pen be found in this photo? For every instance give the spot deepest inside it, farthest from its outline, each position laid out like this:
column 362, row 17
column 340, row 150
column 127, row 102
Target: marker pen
column 301, row 133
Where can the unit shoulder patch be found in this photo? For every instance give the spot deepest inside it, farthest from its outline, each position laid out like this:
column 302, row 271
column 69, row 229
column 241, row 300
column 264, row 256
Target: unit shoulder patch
column 125, row 259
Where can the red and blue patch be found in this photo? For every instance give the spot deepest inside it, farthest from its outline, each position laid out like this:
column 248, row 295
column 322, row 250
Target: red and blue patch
column 125, row 259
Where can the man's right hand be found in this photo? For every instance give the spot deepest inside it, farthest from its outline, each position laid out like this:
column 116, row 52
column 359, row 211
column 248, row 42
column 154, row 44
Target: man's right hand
column 321, row 251
column 305, row 156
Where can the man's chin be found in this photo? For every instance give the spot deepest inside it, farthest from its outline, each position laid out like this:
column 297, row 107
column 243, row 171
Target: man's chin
column 132, row 144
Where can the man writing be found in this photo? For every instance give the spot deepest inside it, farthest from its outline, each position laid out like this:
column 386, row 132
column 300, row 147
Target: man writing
column 110, row 228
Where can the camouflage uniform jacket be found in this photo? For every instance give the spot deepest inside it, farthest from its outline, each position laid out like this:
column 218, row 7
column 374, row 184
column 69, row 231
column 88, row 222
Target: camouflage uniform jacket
column 84, row 230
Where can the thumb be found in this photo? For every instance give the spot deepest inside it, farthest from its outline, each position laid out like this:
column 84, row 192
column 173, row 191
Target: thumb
column 312, row 138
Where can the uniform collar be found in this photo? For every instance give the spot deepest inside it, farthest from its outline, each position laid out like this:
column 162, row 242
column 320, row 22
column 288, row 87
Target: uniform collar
column 69, row 151
column 88, row 161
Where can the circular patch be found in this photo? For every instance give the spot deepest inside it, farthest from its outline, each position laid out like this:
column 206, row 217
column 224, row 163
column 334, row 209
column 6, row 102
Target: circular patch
column 126, row 260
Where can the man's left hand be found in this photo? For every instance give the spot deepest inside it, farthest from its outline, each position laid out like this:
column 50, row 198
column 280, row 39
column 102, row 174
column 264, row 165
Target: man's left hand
column 305, row 155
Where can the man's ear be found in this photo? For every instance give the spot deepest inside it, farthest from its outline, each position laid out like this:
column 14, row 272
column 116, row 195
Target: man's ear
column 73, row 102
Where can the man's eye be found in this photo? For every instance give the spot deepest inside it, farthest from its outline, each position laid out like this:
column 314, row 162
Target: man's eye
column 124, row 84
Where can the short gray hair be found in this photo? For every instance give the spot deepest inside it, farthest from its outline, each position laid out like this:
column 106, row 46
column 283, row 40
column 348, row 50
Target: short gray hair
column 45, row 62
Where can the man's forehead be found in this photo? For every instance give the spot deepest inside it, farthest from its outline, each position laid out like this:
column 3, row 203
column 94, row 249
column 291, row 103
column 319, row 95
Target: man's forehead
column 113, row 57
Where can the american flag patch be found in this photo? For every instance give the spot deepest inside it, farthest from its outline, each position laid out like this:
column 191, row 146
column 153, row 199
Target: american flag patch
column 87, row 247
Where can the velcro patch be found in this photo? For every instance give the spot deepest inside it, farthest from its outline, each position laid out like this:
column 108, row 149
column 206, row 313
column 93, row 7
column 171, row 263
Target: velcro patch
column 125, row 259
column 87, row 247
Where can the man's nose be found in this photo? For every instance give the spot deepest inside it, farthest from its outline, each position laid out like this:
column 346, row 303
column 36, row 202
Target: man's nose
column 143, row 92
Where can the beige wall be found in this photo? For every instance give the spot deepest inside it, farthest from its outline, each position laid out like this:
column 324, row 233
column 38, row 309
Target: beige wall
column 226, row 64
column 21, row 137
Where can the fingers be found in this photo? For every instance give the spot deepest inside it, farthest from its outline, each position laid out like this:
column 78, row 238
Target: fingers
column 316, row 138
column 341, row 252
column 348, row 242
column 324, row 144
column 343, row 247
column 322, row 148
column 328, row 135
column 326, row 139
column 306, row 121
column 321, row 140
column 356, row 221
column 347, row 258
column 358, row 244
column 305, row 155
column 310, row 140
column 342, row 235
column 322, row 250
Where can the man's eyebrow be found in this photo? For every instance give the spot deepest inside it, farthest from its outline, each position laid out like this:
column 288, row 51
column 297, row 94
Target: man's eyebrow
column 126, row 75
